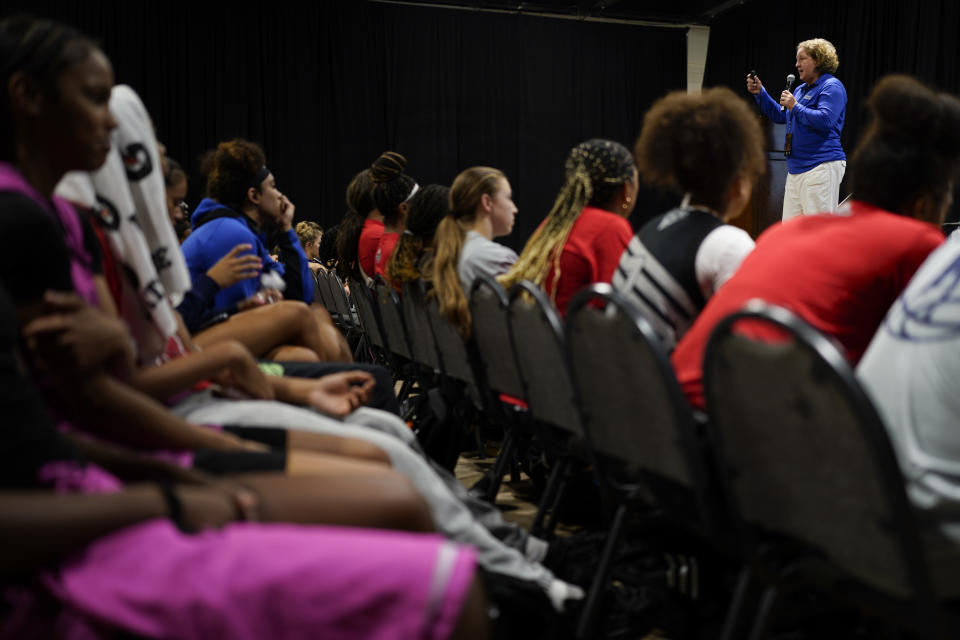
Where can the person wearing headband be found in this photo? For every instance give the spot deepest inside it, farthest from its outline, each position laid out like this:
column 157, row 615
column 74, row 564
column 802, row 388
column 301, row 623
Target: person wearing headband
column 245, row 207
column 392, row 190
column 413, row 257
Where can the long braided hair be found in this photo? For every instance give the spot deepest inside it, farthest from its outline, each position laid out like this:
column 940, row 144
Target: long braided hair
column 595, row 171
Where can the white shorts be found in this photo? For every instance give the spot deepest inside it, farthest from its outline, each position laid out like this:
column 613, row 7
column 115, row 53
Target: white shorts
column 813, row 191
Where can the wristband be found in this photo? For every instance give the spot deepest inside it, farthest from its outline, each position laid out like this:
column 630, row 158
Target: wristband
column 174, row 505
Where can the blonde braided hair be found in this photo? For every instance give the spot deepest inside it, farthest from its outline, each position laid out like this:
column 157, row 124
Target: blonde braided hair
column 595, row 169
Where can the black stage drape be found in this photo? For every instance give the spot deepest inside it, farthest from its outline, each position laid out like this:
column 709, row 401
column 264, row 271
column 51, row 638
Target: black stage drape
column 327, row 86
column 873, row 38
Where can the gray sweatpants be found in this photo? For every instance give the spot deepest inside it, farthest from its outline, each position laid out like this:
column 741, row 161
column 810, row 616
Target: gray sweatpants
column 387, row 431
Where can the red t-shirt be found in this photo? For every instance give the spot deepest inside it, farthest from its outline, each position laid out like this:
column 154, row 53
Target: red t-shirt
column 367, row 247
column 841, row 273
column 591, row 254
column 388, row 240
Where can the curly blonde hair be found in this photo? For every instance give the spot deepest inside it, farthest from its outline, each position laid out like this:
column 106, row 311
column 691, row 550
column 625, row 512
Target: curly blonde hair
column 308, row 231
column 823, row 53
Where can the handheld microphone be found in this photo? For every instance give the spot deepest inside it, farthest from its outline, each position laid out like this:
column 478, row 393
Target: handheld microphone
column 790, row 80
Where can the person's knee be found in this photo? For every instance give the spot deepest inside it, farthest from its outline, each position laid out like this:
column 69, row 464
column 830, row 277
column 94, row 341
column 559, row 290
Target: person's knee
column 403, row 506
column 356, row 448
column 474, row 621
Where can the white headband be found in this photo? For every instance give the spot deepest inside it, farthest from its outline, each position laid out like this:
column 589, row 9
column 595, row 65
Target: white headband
column 416, row 187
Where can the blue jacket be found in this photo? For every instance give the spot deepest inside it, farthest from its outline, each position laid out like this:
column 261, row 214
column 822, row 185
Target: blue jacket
column 217, row 229
column 815, row 121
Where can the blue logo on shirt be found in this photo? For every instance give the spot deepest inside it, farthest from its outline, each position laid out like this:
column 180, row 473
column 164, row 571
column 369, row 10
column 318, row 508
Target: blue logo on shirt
column 931, row 312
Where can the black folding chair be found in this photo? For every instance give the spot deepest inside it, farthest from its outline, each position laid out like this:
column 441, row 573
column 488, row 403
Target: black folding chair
column 639, row 428
column 538, row 340
column 391, row 320
column 423, row 349
column 448, row 403
column 497, row 362
column 810, row 471
column 374, row 336
column 340, row 301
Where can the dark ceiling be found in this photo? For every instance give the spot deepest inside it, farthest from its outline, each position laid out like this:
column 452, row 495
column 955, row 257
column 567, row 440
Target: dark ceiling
column 675, row 11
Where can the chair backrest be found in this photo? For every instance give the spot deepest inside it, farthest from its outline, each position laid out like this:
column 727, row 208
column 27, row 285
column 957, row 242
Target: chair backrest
column 338, row 295
column 538, row 339
column 390, row 315
column 321, row 291
column 363, row 301
column 491, row 333
column 802, row 451
column 423, row 348
column 454, row 356
column 633, row 409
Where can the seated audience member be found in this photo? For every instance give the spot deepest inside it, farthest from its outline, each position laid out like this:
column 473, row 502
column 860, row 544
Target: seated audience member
column 412, row 259
column 47, row 137
column 244, row 210
column 110, row 556
column 582, row 238
column 175, row 180
column 245, row 207
column 680, row 258
column 842, row 272
column 327, row 249
column 360, row 230
column 909, row 371
column 910, row 367
column 310, row 235
column 481, row 209
column 392, row 190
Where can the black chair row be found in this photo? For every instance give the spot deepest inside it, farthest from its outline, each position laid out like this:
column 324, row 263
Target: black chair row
column 791, row 473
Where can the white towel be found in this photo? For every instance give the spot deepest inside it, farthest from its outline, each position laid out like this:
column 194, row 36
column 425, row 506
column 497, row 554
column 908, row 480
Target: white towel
column 134, row 137
column 125, row 193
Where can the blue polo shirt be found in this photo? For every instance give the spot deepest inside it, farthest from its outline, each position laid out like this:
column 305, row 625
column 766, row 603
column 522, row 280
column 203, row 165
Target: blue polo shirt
column 815, row 121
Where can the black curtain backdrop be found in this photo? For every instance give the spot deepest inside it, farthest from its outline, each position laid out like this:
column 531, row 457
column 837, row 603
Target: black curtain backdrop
column 325, row 87
column 873, row 38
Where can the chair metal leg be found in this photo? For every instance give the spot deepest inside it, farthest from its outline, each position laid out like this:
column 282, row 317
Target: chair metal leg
column 405, row 387
column 546, row 501
column 739, row 605
column 359, row 354
column 489, row 485
column 551, row 515
column 768, row 603
column 602, row 577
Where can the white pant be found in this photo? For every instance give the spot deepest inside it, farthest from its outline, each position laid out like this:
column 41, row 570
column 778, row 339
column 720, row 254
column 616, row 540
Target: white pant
column 813, row 191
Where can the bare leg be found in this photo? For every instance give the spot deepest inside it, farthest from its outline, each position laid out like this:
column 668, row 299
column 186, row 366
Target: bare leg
column 474, row 623
column 290, row 353
column 283, row 323
column 337, row 445
column 365, row 496
column 338, row 345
